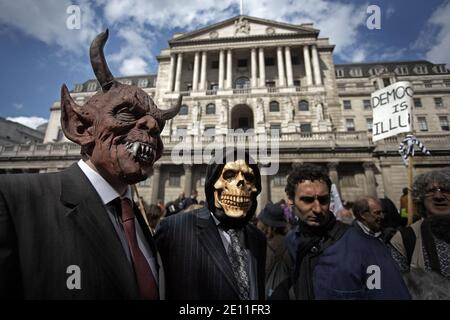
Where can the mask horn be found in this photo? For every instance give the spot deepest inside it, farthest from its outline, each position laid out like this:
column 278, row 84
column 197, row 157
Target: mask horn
column 98, row 62
column 172, row 112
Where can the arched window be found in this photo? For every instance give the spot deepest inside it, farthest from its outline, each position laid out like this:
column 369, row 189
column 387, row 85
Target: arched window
column 303, row 105
column 274, row 106
column 211, row 108
column 242, row 83
column 183, row 110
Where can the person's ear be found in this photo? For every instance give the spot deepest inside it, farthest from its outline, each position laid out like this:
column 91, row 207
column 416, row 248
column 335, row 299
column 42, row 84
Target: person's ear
column 76, row 121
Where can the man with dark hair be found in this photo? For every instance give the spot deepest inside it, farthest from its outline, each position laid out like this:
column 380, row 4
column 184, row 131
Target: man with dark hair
column 214, row 253
column 332, row 260
column 77, row 234
column 369, row 215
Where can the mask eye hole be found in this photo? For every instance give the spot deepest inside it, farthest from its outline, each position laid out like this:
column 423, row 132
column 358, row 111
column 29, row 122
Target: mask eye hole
column 126, row 112
column 249, row 177
column 229, row 174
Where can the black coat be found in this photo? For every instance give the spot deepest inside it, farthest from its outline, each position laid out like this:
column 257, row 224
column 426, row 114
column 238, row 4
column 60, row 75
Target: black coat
column 195, row 261
column 51, row 221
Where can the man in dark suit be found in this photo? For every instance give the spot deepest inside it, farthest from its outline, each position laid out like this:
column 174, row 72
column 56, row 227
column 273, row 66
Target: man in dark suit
column 214, row 253
column 76, row 234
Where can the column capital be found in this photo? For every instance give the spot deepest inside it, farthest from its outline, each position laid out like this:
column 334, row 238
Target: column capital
column 332, row 165
column 368, row 166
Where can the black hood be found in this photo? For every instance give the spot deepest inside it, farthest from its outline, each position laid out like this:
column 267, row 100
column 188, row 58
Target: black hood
column 213, row 172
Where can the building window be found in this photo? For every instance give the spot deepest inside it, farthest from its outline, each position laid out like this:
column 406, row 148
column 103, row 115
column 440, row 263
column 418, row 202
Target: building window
column 443, row 121
column 303, row 105
column 423, row 125
column 270, row 84
column 386, row 82
column 420, row 69
column 295, row 60
column 356, row 72
column 438, row 102
column 274, row 106
column 183, row 110
column 78, row 88
column 214, row 86
column 215, row 64
column 211, row 108
column 143, row 83
column 242, row 83
column 369, row 124
column 347, row 104
column 339, row 73
column 126, row 81
column 92, row 86
column 269, row 61
column 242, row 63
column 367, row 105
column 441, row 69
column 279, row 180
column 428, row 84
column 296, row 83
column 275, row 129
column 305, row 127
column 375, row 71
column 350, row 124
column 174, row 179
column 417, row 103
column 402, row 70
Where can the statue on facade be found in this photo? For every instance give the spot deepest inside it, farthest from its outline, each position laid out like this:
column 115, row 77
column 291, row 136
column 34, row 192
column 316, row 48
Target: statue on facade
column 290, row 110
column 319, row 111
column 241, row 26
column 196, row 112
column 224, row 111
column 259, row 110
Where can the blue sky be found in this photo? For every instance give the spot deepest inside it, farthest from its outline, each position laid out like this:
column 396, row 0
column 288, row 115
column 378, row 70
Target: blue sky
column 38, row 52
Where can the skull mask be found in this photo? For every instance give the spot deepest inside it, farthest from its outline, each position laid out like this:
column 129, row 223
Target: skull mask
column 234, row 189
column 119, row 127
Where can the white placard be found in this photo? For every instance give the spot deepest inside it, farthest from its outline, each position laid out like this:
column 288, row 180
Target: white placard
column 392, row 110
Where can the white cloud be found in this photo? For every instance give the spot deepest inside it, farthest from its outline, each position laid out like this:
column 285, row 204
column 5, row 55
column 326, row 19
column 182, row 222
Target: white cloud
column 32, row 122
column 18, row 106
column 45, row 20
column 133, row 66
column 439, row 52
column 358, row 55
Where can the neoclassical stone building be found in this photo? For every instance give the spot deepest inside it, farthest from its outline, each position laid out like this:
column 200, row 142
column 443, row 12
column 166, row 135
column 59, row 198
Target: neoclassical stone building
column 249, row 73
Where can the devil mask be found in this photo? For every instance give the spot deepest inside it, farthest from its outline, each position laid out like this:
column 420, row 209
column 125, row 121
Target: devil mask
column 231, row 189
column 119, row 127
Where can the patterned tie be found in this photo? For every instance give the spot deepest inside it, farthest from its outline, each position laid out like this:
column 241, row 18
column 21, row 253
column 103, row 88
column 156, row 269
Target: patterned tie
column 144, row 276
column 239, row 263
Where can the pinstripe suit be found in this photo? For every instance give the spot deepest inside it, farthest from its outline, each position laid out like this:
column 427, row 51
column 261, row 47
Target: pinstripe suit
column 194, row 258
column 51, row 221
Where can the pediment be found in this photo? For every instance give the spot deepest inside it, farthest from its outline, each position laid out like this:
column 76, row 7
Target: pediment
column 243, row 26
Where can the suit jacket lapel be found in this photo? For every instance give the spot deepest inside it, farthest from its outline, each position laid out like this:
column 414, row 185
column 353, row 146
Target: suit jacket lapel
column 209, row 237
column 86, row 211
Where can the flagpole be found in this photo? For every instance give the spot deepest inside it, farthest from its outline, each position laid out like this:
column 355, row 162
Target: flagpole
column 411, row 175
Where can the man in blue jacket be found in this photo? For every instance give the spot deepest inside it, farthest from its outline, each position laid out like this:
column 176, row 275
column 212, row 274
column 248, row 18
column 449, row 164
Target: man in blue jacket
column 332, row 260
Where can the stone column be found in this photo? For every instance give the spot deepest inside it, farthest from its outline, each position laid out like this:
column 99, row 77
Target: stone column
column 316, row 65
column 195, row 74
column 333, row 173
column 229, row 69
column 221, row 69
column 281, row 82
column 187, row 179
column 171, row 72
column 308, row 71
column 370, row 179
column 290, row 80
column 262, row 69
column 155, row 182
column 264, row 196
column 203, row 72
column 178, row 76
column 254, row 81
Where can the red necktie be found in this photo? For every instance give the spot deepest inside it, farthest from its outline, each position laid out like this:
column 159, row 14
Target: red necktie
column 144, row 276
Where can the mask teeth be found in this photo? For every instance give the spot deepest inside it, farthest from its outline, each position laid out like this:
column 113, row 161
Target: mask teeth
column 135, row 148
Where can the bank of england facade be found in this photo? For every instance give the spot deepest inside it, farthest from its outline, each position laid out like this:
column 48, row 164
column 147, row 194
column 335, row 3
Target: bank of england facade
column 247, row 74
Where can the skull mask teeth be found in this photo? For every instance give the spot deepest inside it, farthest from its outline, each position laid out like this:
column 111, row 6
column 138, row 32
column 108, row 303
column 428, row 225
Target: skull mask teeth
column 141, row 151
column 234, row 189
